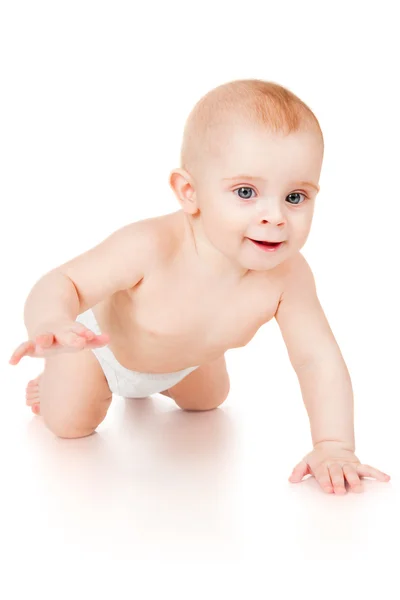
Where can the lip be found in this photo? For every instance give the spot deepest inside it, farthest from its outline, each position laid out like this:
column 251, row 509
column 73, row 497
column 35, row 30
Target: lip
column 271, row 241
column 267, row 248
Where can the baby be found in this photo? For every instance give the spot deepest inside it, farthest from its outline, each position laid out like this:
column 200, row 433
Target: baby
column 154, row 306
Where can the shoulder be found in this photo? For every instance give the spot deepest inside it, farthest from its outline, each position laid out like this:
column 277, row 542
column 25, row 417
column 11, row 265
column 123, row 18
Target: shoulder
column 158, row 236
column 296, row 276
column 294, row 265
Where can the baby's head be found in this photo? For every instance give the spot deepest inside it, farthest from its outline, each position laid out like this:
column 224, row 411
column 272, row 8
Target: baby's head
column 251, row 155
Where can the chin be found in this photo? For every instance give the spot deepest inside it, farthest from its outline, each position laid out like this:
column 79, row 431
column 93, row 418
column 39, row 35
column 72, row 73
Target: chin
column 265, row 261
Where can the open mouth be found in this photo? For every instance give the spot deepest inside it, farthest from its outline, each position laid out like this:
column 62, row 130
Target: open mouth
column 271, row 246
column 266, row 243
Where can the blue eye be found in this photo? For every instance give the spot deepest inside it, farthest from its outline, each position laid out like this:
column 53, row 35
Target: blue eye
column 244, row 188
column 296, row 194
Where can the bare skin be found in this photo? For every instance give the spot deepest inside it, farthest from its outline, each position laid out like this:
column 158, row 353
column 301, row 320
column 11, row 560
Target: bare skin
column 158, row 328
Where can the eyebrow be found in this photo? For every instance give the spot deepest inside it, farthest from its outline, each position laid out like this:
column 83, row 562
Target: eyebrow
column 251, row 177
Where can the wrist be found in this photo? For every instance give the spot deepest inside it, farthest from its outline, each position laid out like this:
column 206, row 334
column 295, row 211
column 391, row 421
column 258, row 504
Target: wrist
column 335, row 442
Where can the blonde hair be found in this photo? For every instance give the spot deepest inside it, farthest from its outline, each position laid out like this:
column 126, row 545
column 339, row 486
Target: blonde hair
column 243, row 101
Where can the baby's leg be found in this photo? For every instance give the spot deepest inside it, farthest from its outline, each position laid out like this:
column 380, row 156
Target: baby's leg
column 204, row 388
column 73, row 393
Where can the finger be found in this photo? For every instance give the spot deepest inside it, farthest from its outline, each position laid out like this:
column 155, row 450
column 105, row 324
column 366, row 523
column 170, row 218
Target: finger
column 83, row 331
column 337, row 478
column 14, row 358
column 299, row 472
column 16, row 355
column 20, row 352
column 88, row 333
column 368, row 471
column 44, row 340
column 101, row 340
column 71, row 339
column 77, row 339
column 323, row 477
column 353, row 479
column 82, row 342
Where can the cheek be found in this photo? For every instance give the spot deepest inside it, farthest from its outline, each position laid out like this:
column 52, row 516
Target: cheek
column 300, row 223
column 299, row 231
column 224, row 217
column 224, row 231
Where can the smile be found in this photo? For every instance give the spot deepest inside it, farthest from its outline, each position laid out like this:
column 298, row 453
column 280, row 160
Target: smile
column 267, row 246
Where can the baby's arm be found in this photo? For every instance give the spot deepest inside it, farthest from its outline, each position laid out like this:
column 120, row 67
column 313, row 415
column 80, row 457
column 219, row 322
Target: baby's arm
column 315, row 356
column 116, row 263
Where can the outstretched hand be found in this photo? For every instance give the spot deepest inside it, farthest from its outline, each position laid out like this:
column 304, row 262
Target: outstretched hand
column 332, row 464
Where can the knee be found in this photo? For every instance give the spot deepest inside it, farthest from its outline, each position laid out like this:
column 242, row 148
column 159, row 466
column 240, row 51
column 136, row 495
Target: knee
column 205, row 403
column 69, row 431
column 72, row 435
column 199, row 408
column 64, row 426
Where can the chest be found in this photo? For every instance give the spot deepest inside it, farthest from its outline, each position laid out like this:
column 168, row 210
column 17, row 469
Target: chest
column 217, row 317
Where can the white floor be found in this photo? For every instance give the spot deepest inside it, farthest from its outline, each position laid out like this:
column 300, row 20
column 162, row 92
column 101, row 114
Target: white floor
column 198, row 500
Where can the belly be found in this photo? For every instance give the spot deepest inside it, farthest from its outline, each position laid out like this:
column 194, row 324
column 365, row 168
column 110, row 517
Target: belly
column 164, row 345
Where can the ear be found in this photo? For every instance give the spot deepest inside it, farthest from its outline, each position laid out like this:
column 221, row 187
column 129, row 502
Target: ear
column 182, row 186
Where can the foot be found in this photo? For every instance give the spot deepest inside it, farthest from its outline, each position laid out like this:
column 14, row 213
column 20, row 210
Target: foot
column 32, row 395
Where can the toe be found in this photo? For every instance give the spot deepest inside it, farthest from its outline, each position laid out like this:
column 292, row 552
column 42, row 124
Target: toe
column 32, row 400
column 33, row 392
column 32, row 388
column 32, row 396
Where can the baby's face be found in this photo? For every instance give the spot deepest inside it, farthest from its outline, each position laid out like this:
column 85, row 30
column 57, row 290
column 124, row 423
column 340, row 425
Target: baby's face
column 261, row 186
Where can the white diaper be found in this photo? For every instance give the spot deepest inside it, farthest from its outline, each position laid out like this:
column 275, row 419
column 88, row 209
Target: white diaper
column 123, row 381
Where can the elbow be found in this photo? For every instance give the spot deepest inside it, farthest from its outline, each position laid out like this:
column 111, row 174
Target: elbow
column 328, row 363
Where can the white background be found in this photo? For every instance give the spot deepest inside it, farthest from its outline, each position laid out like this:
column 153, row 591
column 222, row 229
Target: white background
column 93, row 100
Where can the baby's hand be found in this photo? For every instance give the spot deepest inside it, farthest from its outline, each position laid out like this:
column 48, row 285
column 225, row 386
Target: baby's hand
column 331, row 463
column 61, row 336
